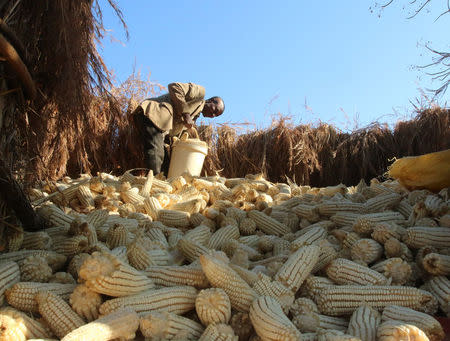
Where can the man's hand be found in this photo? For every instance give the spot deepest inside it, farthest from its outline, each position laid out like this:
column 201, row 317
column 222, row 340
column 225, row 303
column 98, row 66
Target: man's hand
column 188, row 122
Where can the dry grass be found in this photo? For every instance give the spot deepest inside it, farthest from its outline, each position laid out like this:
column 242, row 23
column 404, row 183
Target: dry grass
column 321, row 155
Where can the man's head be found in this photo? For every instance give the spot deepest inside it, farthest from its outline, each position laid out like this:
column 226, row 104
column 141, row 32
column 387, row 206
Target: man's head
column 214, row 107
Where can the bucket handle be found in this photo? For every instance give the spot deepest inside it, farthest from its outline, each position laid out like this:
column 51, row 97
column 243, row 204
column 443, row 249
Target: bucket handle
column 194, row 130
column 185, row 134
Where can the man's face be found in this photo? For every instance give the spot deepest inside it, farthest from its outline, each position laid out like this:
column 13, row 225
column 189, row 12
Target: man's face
column 213, row 108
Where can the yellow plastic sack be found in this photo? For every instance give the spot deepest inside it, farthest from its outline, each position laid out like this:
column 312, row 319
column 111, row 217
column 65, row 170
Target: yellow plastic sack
column 428, row 171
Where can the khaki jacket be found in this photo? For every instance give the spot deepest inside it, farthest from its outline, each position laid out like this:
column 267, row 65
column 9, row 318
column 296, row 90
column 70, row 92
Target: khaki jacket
column 166, row 111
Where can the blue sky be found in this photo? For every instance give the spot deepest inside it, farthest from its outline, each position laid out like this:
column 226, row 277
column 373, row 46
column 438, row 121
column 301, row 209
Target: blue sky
column 330, row 61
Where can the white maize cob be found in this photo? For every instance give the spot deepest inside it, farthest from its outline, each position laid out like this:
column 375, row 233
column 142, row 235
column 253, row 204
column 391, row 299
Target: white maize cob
column 364, row 323
column 177, row 300
column 428, row 324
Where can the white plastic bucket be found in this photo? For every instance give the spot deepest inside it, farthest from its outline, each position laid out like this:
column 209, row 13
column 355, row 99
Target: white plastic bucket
column 188, row 155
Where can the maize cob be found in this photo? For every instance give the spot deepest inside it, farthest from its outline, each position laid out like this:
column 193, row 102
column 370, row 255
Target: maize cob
column 348, row 238
column 303, row 305
column 62, row 277
column 191, row 250
column 364, row 323
column 335, row 335
column 196, row 219
column 330, row 208
column 382, row 202
column 250, row 277
column 173, row 238
column 85, row 302
column 264, row 286
column 439, row 286
column 9, row 275
column 35, row 269
column 333, row 190
column 213, row 306
column 344, row 271
column 344, row 218
column 156, row 234
column 164, row 199
column 191, row 206
column 177, row 300
column 14, row 239
column 83, row 228
column 426, row 221
column 428, row 324
column 394, row 268
column 132, row 196
column 251, row 240
column 10, row 329
column 366, row 223
column 326, row 255
column 117, row 236
column 366, row 250
column 57, row 231
column 309, row 321
column 444, row 221
column 107, row 275
column 418, row 236
column 119, row 325
column 75, row 264
column 233, row 247
column 267, row 224
column 298, row 266
column 242, row 326
column 177, row 219
column 36, row 241
column 21, row 295
column 313, row 284
column 161, row 186
column 220, row 275
column 222, row 235
column 394, row 248
column 24, row 325
column 138, row 256
column 281, row 247
column 169, row 276
column 120, row 253
column 225, row 221
column 269, row 321
column 236, row 213
column 437, row 264
column 168, row 326
column 85, row 196
column 435, row 205
column 64, row 196
column 57, row 313
column 382, row 232
column 200, row 235
column 265, row 243
column 97, row 185
column 309, row 337
column 152, row 207
column 147, row 186
column 312, row 236
column 397, row 330
column 345, row 299
column 405, row 208
column 69, row 247
column 218, row 332
column 311, row 213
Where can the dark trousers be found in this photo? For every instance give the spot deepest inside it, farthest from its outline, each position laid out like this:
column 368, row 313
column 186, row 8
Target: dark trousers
column 156, row 156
